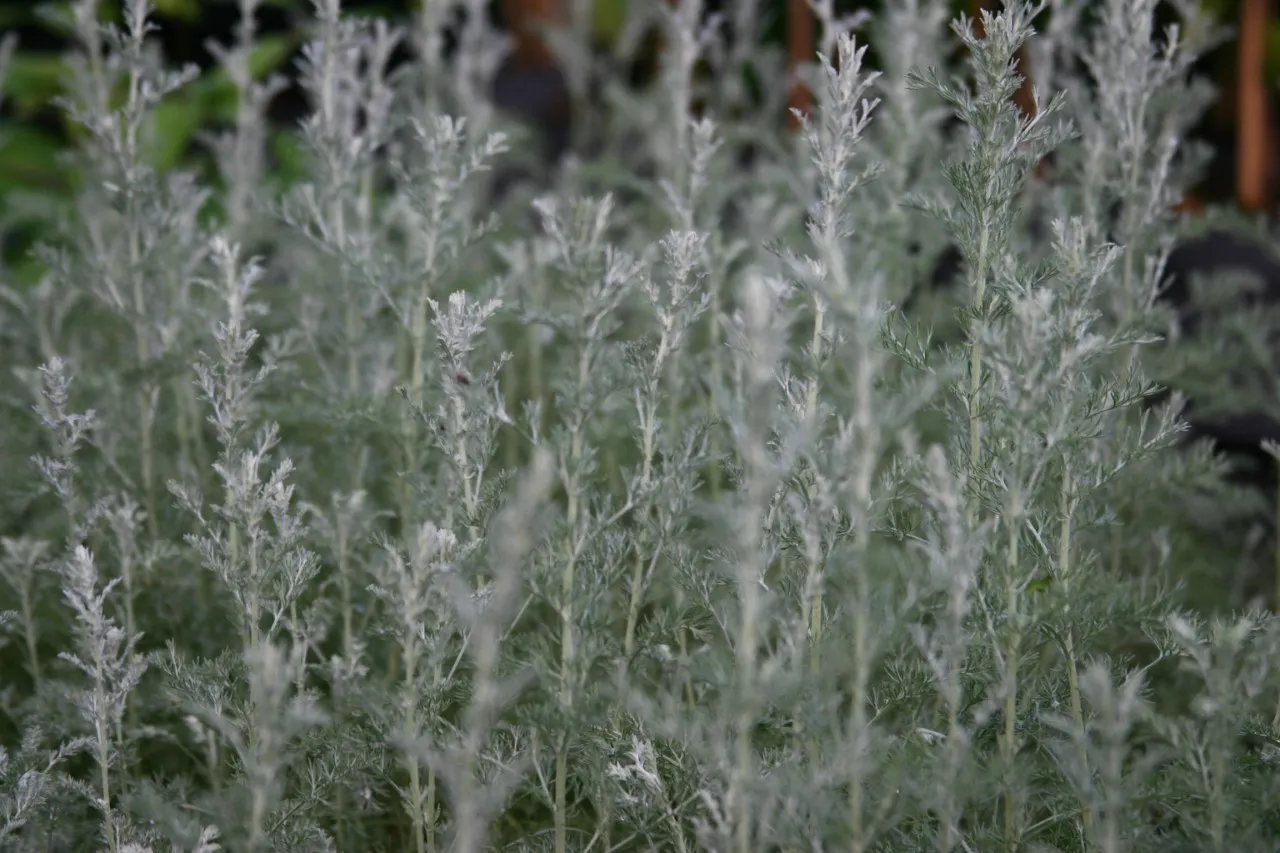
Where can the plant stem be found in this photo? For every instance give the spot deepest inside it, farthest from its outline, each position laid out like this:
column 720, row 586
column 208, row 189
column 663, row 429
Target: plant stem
column 975, row 370
column 1065, row 571
column 1009, row 743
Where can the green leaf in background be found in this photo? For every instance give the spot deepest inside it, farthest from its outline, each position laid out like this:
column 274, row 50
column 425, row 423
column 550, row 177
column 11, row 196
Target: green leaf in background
column 35, row 186
column 1038, row 584
column 1273, row 54
column 182, row 10
column 271, row 52
column 289, row 158
column 29, row 159
column 209, row 98
column 33, row 80
column 172, row 124
column 214, row 88
column 608, row 17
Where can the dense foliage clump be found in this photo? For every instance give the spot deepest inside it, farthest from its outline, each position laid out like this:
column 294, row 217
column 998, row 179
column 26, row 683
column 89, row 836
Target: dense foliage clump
column 649, row 502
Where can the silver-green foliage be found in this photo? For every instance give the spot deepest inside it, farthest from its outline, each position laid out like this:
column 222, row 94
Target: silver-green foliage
column 630, row 513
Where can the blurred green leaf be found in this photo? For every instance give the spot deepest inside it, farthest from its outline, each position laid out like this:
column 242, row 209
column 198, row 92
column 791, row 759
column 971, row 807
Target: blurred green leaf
column 29, row 158
column 271, row 52
column 268, row 55
column 182, row 10
column 172, row 125
column 1273, row 54
column 289, row 164
column 33, row 80
column 1039, row 584
column 608, row 17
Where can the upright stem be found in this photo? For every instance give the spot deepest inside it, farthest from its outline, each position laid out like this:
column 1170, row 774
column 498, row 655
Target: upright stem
column 568, row 577
column 861, row 677
column 418, row 345
column 146, row 393
column 868, row 433
column 104, row 756
column 30, row 632
column 746, row 660
column 1065, row 570
column 811, row 412
column 1008, row 741
column 410, row 730
column 648, row 449
column 975, row 370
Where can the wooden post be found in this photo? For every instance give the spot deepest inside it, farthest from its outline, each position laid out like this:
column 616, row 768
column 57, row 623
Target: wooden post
column 1023, row 97
column 801, row 41
column 1253, row 131
column 523, row 19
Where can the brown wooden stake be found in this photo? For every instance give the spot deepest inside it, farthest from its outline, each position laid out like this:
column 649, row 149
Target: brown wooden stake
column 1023, row 97
column 1253, row 143
column 524, row 19
column 801, row 41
